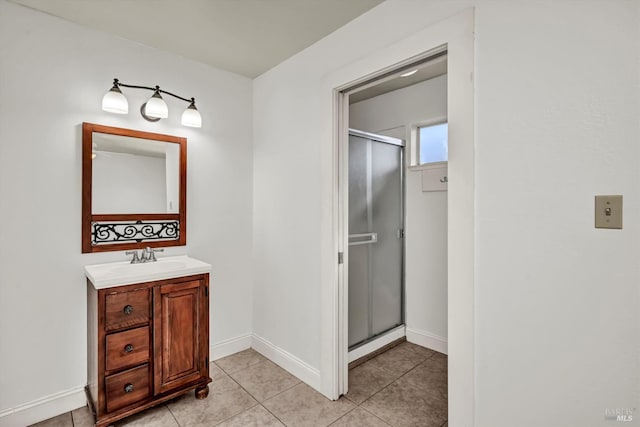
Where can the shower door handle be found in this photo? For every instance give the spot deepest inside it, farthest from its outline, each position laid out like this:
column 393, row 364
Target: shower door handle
column 362, row 239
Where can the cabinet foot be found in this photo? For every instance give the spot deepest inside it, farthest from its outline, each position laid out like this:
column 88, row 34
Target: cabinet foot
column 202, row 392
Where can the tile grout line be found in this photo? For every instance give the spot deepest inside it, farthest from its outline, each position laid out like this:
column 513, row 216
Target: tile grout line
column 236, row 414
column 234, row 380
column 369, row 412
column 279, row 393
column 166, row 405
column 172, row 414
column 238, row 370
column 343, row 415
column 393, row 381
column 262, row 359
column 274, row 415
column 271, row 397
column 260, row 403
column 359, row 407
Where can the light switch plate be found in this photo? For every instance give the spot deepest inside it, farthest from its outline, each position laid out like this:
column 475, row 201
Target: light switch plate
column 609, row 212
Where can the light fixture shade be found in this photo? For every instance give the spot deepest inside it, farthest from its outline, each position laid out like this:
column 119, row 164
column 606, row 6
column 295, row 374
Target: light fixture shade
column 156, row 107
column 115, row 102
column 191, row 116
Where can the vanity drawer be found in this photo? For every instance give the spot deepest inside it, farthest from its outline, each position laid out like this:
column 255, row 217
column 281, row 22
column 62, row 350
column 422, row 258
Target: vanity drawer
column 127, row 348
column 124, row 309
column 127, row 387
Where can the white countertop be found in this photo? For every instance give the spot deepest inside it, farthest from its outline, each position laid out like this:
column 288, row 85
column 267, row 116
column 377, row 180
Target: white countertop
column 124, row 273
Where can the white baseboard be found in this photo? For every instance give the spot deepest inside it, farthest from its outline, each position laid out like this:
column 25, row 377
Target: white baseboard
column 43, row 408
column 230, row 346
column 429, row 340
column 376, row 344
column 287, row 361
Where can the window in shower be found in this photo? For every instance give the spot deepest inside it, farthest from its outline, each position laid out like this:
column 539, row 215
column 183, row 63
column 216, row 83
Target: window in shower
column 433, row 144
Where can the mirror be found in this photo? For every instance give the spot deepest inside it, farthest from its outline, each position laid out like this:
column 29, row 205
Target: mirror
column 134, row 175
column 134, row 189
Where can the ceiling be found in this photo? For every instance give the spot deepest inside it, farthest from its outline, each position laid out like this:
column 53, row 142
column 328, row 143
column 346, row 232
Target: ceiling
column 247, row 37
column 424, row 71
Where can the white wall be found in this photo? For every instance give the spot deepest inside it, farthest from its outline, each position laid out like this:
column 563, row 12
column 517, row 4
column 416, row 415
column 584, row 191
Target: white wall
column 554, row 129
column 53, row 75
column 557, row 328
column 393, row 114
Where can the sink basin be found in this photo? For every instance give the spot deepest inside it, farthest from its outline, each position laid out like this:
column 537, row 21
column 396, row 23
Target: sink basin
column 145, row 268
column 124, row 273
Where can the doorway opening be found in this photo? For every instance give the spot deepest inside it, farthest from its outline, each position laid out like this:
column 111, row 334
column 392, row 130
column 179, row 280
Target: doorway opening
column 384, row 118
column 455, row 35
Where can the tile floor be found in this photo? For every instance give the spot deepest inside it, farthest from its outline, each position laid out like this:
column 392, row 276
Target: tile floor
column 405, row 386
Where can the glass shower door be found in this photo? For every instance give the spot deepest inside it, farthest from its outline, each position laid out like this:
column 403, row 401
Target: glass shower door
column 375, row 236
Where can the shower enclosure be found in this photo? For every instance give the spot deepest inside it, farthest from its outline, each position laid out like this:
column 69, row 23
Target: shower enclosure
column 376, row 236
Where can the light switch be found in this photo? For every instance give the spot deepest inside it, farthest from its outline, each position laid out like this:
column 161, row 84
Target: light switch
column 608, row 211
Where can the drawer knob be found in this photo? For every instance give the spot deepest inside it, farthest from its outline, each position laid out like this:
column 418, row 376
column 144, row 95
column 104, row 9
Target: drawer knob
column 128, row 348
column 128, row 309
column 128, row 388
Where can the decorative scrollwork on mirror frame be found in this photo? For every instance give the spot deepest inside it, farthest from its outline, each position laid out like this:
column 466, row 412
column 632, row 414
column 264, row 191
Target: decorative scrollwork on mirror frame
column 139, row 231
column 109, row 231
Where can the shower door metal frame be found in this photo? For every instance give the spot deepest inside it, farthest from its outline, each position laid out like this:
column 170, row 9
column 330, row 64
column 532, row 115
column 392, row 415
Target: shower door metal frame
column 400, row 143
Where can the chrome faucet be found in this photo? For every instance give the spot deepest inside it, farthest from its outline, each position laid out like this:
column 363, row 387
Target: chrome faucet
column 146, row 255
column 149, row 255
column 135, row 259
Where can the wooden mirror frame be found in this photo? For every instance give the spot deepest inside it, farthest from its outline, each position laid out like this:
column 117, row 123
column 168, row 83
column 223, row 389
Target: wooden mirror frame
column 87, row 178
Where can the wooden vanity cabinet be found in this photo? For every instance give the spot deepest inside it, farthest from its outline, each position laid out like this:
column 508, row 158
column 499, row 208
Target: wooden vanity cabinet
column 148, row 342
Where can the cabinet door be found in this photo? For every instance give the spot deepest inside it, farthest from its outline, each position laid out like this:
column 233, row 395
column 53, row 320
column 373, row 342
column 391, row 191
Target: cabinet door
column 181, row 341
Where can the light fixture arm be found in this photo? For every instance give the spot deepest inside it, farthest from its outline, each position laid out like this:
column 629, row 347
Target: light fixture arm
column 117, row 83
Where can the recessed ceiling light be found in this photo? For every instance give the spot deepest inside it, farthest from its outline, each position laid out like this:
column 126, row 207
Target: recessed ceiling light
column 409, row 73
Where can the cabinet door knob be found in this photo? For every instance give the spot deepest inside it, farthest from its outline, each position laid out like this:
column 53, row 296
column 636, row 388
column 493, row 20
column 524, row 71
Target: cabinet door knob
column 128, row 309
column 128, row 348
column 128, row 388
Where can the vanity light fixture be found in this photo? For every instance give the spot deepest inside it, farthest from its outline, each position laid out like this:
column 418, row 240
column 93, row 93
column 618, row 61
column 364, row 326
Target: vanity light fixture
column 154, row 109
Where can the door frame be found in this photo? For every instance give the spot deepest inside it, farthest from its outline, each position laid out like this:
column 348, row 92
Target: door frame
column 457, row 35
